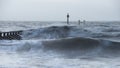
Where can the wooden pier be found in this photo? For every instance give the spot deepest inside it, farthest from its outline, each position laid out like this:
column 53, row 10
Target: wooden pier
column 12, row 35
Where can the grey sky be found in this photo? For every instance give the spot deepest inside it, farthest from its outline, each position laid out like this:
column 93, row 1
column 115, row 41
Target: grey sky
column 55, row 10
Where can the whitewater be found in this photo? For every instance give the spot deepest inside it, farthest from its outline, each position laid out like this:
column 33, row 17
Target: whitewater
column 58, row 45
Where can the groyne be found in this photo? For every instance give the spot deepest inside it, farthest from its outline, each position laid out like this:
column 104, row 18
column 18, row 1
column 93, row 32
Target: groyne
column 11, row 35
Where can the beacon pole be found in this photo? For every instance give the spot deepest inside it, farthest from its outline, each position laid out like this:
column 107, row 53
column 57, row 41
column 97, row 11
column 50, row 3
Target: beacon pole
column 68, row 18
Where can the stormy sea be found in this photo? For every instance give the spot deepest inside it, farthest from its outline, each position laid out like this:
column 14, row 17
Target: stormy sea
column 58, row 45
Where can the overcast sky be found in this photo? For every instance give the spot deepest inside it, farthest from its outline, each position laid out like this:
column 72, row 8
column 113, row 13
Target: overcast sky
column 56, row 10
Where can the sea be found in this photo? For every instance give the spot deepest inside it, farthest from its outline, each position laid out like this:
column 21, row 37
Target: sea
column 55, row 44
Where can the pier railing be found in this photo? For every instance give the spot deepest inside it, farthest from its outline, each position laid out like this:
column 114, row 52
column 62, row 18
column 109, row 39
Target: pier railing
column 12, row 35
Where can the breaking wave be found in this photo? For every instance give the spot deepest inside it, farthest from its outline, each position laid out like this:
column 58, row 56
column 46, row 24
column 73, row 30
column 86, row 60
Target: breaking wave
column 84, row 46
column 69, row 47
column 47, row 33
column 66, row 40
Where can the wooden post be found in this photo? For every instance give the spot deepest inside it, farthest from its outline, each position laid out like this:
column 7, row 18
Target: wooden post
column 79, row 22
